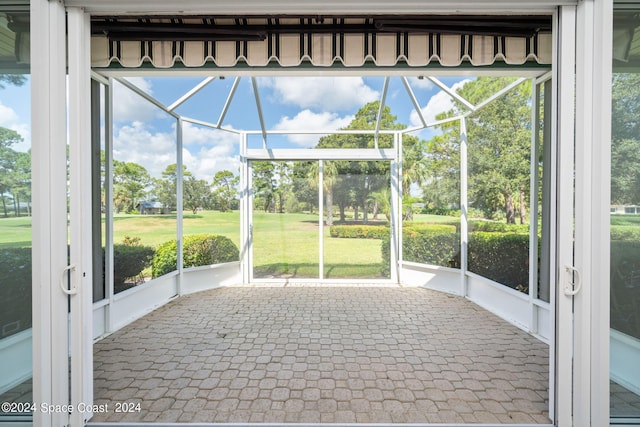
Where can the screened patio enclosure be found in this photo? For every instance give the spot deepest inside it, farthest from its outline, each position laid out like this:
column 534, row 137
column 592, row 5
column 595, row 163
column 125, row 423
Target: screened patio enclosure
column 323, row 180
column 354, row 189
column 340, row 202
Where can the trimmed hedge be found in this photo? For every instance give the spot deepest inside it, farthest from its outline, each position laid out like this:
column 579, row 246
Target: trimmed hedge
column 15, row 290
column 128, row 262
column 625, row 232
column 501, row 257
column 422, row 227
column 198, row 250
column 359, row 231
column 625, row 282
column 497, row 227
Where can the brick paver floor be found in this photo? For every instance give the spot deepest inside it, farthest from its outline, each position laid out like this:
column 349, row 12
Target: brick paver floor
column 323, row 354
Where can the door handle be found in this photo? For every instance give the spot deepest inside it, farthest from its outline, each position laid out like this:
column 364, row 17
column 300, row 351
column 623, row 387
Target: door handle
column 574, row 281
column 63, row 287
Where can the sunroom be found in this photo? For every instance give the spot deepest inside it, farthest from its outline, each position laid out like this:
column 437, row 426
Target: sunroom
column 445, row 187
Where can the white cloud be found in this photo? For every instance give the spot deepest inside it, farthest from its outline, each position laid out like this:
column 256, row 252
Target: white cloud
column 307, row 120
column 131, row 107
column 137, row 143
column 9, row 119
column 322, row 93
column 205, row 151
column 439, row 103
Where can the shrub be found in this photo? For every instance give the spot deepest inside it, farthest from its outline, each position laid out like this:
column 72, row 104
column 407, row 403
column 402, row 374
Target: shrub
column 426, row 246
column 15, row 290
column 625, row 279
column 198, row 250
column 501, row 257
column 425, row 227
column 128, row 262
column 435, row 247
column 625, row 232
column 497, row 227
column 440, row 211
column 165, row 260
column 207, row 249
column 359, row 231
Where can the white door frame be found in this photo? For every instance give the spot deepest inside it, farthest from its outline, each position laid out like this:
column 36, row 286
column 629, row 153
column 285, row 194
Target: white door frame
column 593, row 198
column 50, row 221
column 80, row 159
column 49, row 143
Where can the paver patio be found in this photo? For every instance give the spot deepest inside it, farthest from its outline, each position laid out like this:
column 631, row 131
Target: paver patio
column 323, row 354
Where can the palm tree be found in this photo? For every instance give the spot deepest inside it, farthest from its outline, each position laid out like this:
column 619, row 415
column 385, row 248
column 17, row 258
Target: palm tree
column 330, row 175
column 383, row 200
column 414, row 170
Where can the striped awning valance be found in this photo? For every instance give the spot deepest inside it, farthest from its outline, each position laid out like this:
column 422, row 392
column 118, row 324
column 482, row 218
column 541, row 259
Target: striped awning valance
column 165, row 43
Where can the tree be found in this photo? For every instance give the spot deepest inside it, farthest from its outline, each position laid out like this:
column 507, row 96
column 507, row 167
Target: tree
column 12, row 79
column 22, row 181
column 165, row 188
column 196, row 194
column 264, row 184
column 130, row 182
column 499, row 140
column 225, row 189
column 10, row 175
column 625, row 144
column 350, row 184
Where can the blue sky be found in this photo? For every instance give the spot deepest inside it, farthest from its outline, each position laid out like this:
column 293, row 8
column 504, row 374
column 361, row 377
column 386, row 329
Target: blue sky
column 146, row 135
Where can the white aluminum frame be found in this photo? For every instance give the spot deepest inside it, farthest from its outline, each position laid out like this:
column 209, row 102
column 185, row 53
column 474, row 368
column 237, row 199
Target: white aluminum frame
column 81, row 208
column 563, row 140
column 353, row 7
column 320, row 155
column 48, row 134
column 589, row 351
column 593, row 198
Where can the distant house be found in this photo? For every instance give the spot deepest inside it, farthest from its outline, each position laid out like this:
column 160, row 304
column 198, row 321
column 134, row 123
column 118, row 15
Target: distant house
column 628, row 210
column 150, row 207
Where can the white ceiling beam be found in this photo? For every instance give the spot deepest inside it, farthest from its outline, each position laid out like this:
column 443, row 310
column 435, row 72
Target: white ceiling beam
column 227, row 103
column 189, row 94
column 327, row 7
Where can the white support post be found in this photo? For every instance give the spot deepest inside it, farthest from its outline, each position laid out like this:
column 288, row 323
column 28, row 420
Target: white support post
column 179, row 203
column 583, row 200
column 393, row 250
column 321, row 218
column 246, row 219
column 464, row 225
column 249, row 219
column 49, row 177
column 396, row 211
column 593, row 198
column 80, row 214
column 533, row 206
column 601, row 216
column 562, row 347
column 398, row 226
column 108, row 249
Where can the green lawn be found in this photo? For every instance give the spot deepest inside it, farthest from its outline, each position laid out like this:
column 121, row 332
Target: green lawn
column 15, row 232
column 285, row 245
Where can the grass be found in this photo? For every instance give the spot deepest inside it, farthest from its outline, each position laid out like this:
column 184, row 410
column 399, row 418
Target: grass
column 285, row 245
column 15, row 232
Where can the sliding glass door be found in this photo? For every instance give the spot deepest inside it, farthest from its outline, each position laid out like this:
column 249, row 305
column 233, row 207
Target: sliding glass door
column 625, row 217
